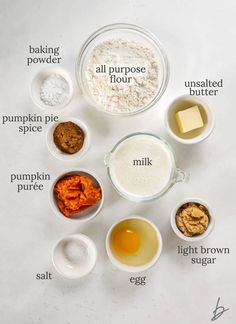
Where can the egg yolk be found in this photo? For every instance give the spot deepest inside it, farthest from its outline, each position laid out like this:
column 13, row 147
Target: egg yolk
column 126, row 241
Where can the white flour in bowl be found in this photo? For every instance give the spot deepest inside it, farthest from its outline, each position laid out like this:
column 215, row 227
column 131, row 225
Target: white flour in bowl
column 122, row 97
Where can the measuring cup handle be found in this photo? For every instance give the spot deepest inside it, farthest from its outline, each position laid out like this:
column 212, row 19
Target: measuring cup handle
column 181, row 176
column 107, row 159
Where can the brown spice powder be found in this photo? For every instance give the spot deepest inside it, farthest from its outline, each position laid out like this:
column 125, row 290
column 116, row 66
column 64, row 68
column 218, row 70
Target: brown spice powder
column 68, row 137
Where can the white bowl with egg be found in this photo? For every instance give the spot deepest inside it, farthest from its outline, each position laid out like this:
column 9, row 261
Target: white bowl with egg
column 38, row 80
column 195, row 238
column 133, row 244
column 74, row 256
column 56, row 152
column 181, row 103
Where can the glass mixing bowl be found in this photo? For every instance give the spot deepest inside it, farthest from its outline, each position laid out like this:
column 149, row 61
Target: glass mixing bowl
column 174, row 174
column 130, row 33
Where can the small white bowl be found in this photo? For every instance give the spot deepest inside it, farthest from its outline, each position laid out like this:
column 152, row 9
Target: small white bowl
column 192, row 238
column 40, row 77
column 75, row 267
column 62, row 155
column 88, row 213
column 126, row 267
column 208, row 128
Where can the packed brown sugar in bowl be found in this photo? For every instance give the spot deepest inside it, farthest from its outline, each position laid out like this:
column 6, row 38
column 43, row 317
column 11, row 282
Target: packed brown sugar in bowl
column 76, row 193
column 192, row 219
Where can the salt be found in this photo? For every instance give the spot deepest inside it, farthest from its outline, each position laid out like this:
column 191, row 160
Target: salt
column 75, row 252
column 54, row 90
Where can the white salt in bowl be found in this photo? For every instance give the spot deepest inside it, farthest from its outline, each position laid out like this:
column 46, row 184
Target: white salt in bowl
column 74, row 256
column 55, row 151
column 37, row 82
column 197, row 237
column 126, row 32
column 170, row 115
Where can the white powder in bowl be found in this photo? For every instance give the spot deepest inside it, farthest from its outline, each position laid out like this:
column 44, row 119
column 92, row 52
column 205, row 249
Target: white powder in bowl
column 76, row 252
column 122, row 97
column 54, row 90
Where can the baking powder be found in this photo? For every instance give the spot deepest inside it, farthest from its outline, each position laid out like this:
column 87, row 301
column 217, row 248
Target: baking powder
column 54, row 90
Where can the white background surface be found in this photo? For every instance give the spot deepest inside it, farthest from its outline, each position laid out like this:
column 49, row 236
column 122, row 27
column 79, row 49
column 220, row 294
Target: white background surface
column 199, row 38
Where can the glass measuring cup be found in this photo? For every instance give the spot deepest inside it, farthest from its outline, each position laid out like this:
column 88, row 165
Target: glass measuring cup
column 138, row 179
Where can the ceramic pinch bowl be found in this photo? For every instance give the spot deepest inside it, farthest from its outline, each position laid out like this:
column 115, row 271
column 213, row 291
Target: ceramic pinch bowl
column 74, row 256
column 133, row 244
column 196, row 237
column 37, row 82
column 56, row 152
column 84, row 215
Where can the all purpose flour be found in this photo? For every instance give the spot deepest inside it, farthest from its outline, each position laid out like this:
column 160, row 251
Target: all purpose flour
column 122, row 97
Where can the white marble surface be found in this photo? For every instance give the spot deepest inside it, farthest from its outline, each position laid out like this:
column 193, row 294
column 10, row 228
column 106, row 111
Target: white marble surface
column 199, row 38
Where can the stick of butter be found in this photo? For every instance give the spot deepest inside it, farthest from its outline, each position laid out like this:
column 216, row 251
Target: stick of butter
column 189, row 119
